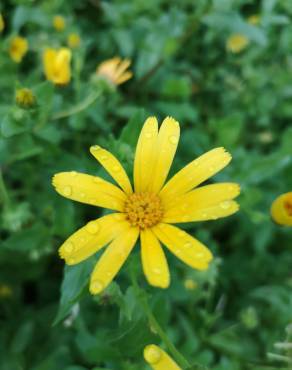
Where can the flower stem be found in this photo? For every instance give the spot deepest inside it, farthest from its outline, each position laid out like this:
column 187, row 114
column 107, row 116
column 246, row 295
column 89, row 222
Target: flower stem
column 182, row 361
column 4, row 198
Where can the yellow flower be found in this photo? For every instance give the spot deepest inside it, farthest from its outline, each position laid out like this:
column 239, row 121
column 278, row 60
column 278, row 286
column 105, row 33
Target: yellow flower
column 73, row 40
column 158, row 359
column 18, row 47
column 254, row 19
column 149, row 210
column 236, row 43
column 281, row 209
column 190, row 284
column 24, row 98
column 59, row 23
column 2, row 23
column 115, row 70
column 57, row 65
column 5, row 291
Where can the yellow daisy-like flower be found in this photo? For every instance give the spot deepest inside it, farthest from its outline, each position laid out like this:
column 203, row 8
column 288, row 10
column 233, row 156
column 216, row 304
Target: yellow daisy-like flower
column 115, row 70
column 159, row 359
column 18, row 47
column 254, row 19
column 281, row 209
column 149, row 210
column 2, row 23
column 59, row 23
column 236, row 43
column 56, row 64
column 73, row 40
column 25, row 98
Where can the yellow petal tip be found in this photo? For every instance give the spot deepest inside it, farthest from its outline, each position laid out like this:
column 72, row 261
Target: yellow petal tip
column 152, row 354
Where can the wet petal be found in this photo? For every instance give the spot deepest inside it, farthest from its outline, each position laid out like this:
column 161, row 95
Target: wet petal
column 159, row 359
column 195, row 173
column 89, row 189
column 113, row 258
column 113, row 166
column 153, row 260
column 184, row 246
column 91, row 238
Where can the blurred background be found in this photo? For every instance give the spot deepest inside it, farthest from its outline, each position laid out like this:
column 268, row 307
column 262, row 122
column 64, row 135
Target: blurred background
column 223, row 69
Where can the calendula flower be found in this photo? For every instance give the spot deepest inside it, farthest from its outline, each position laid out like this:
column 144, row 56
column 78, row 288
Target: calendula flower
column 73, row 40
column 25, row 98
column 254, row 19
column 149, row 210
column 159, row 359
column 18, row 47
column 2, row 23
column 236, row 43
column 115, row 70
column 57, row 65
column 59, row 23
column 281, row 209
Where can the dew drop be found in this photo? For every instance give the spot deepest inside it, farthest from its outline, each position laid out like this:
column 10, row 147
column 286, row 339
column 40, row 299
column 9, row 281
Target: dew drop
column 67, row 191
column 96, row 287
column 225, row 205
column 200, row 255
column 92, row 227
column 152, row 354
column 173, row 139
column 104, row 157
column 157, row 271
column 95, row 148
column 82, row 195
column 69, row 247
column 187, row 245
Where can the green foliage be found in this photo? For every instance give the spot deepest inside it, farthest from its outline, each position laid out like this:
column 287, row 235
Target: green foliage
column 181, row 68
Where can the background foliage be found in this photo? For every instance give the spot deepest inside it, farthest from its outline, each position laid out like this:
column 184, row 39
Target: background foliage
column 242, row 305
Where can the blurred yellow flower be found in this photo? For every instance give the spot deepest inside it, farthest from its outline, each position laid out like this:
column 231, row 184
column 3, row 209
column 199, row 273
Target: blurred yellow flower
column 190, row 284
column 236, row 43
column 281, row 209
column 115, row 70
column 159, row 359
column 2, row 24
column 149, row 210
column 5, row 291
column 24, row 98
column 56, row 64
column 254, row 19
column 59, row 23
column 18, row 47
column 73, row 40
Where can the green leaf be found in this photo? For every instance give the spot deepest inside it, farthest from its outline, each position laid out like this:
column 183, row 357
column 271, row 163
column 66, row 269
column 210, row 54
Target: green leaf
column 131, row 131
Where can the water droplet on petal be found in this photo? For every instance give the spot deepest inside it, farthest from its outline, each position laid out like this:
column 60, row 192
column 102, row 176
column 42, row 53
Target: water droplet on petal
column 104, row 157
column 187, row 245
column 173, row 139
column 157, row 271
column 95, row 148
column 225, row 205
column 92, row 227
column 152, row 354
column 67, row 191
column 69, row 247
column 96, row 287
column 82, row 195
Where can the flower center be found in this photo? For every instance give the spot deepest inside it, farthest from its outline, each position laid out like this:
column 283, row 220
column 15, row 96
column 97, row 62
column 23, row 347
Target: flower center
column 143, row 210
column 288, row 207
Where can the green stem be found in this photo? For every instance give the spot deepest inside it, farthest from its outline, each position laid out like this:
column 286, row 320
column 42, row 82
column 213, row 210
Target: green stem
column 179, row 358
column 79, row 107
column 4, row 198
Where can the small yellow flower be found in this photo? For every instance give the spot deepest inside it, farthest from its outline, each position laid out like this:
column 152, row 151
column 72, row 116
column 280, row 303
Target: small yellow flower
column 115, row 70
column 190, row 284
column 281, row 209
column 236, row 43
column 254, row 19
column 57, row 65
column 2, row 23
column 59, row 23
column 159, row 359
column 149, row 210
column 24, row 98
column 18, row 47
column 73, row 40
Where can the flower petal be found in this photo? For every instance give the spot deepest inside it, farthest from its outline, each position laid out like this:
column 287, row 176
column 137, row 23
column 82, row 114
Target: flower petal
column 91, row 238
column 153, row 260
column 145, row 155
column 113, row 166
column 195, row 173
column 113, row 258
column 89, row 189
column 124, row 77
column 159, row 359
column 168, row 138
column 184, row 246
column 204, row 203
